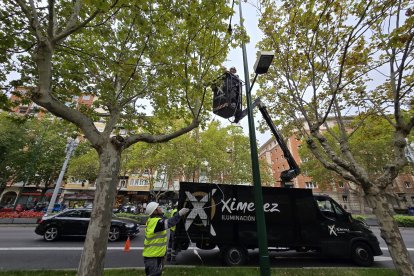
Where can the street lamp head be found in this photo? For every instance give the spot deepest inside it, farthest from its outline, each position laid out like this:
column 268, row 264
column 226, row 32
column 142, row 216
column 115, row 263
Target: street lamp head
column 263, row 62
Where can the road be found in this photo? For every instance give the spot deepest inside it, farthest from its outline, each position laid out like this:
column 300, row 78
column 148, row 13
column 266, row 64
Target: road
column 21, row 248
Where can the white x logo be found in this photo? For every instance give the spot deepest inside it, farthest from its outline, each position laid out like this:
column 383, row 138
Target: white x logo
column 198, row 211
column 332, row 230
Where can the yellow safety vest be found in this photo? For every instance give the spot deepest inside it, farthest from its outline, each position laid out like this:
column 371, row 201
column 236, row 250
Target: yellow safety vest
column 172, row 214
column 155, row 244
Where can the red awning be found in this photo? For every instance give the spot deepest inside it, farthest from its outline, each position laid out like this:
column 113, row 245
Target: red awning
column 31, row 194
column 50, row 194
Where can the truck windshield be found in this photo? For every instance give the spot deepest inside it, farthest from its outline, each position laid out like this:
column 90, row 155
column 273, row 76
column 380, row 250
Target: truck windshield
column 329, row 208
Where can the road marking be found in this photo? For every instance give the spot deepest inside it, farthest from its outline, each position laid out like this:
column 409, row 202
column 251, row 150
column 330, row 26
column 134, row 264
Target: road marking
column 386, row 249
column 66, row 248
column 131, row 248
column 382, row 258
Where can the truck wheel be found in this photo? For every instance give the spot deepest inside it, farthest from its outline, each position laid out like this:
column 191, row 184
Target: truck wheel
column 362, row 254
column 234, row 255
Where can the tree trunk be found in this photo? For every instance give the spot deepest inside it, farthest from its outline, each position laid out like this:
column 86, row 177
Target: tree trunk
column 391, row 234
column 94, row 250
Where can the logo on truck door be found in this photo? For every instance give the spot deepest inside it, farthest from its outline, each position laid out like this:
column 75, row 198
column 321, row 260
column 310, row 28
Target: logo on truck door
column 198, row 209
column 334, row 230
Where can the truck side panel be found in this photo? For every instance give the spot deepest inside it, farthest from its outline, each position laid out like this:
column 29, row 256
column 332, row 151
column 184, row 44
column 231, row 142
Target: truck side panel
column 225, row 214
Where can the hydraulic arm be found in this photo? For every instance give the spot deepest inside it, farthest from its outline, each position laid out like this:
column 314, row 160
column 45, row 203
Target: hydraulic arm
column 293, row 171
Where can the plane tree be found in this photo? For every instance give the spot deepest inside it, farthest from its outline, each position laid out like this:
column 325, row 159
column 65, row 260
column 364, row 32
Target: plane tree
column 135, row 58
column 334, row 59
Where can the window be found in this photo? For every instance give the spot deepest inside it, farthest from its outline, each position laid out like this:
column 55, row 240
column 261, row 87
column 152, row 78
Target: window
column 407, row 184
column 86, row 98
column 345, row 198
column 341, row 184
column 23, row 109
column 310, row 185
column 72, row 214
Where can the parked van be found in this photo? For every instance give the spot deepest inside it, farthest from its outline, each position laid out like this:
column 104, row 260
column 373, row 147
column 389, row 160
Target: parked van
column 224, row 216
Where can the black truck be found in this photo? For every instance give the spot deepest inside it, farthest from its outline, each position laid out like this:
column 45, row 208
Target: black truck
column 223, row 216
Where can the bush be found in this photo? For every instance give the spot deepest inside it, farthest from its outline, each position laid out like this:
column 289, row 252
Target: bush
column 404, row 221
column 141, row 219
column 359, row 217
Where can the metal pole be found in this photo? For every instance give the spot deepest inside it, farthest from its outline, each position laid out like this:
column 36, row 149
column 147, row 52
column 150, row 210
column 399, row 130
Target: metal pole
column 258, row 197
column 73, row 143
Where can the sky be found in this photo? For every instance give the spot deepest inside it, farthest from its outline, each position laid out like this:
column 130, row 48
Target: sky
column 235, row 58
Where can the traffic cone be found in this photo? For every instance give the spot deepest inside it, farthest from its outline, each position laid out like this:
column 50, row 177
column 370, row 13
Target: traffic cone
column 127, row 245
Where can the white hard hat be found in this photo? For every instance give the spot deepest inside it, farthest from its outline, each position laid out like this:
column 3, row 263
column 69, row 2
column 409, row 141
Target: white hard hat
column 151, row 208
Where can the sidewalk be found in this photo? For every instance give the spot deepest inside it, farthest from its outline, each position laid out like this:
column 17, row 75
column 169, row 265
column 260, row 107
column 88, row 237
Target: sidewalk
column 4, row 221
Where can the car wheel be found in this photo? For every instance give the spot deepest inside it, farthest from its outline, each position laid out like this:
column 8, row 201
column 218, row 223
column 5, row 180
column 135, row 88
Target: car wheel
column 362, row 254
column 234, row 255
column 51, row 233
column 114, row 233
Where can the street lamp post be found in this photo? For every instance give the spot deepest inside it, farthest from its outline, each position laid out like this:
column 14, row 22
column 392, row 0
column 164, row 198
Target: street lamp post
column 258, row 197
column 70, row 148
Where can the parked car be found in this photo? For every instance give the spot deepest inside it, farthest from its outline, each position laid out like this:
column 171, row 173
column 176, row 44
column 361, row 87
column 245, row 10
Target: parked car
column 75, row 222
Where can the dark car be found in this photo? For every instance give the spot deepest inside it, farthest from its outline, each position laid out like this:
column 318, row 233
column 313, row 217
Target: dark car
column 74, row 222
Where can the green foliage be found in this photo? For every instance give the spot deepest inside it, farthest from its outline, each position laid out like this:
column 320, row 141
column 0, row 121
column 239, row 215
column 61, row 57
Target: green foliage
column 31, row 150
column 219, row 153
column 359, row 217
column 404, row 221
column 370, row 143
column 84, row 166
column 141, row 219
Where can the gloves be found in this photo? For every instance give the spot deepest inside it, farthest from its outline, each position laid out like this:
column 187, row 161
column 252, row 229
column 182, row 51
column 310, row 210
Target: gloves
column 183, row 211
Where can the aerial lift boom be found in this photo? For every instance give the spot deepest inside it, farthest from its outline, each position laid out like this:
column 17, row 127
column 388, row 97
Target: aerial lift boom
column 293, row 171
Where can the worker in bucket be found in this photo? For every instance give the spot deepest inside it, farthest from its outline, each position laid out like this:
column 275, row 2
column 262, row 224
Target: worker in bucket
column 155, row 243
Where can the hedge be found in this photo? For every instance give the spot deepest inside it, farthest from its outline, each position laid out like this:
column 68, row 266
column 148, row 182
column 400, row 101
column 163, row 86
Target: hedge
column 141, row 219
column 403, row 221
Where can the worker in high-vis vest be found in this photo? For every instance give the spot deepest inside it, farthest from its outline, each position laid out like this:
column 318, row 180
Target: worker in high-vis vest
column 155, row 243
column 172, row 247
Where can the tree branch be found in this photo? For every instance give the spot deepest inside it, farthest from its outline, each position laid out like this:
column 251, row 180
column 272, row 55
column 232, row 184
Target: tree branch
column 150, row 138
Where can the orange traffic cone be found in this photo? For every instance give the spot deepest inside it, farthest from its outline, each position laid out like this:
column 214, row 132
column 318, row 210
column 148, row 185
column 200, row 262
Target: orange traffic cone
column 127, row 245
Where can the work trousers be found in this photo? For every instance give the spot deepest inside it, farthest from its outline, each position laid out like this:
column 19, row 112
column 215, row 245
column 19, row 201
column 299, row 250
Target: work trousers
column 171, row 248
column 153, row 266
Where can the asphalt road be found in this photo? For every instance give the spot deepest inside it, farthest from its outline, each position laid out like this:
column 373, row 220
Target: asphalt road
column 21, row 248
